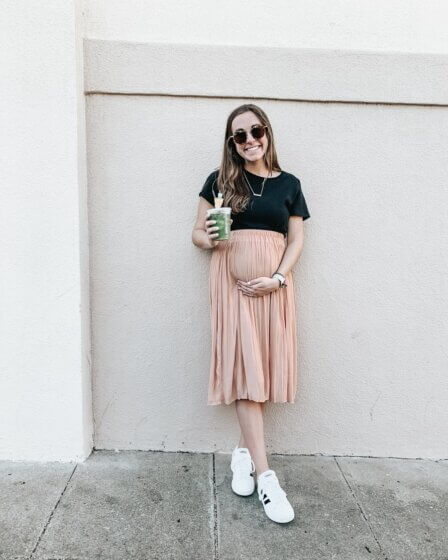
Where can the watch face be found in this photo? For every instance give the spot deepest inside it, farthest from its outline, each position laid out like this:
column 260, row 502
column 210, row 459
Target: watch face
column 280, row 279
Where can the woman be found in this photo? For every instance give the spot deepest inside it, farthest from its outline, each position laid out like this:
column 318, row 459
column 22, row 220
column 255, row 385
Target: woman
column 252, row 298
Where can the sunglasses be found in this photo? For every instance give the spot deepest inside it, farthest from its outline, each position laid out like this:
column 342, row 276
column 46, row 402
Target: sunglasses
column 257, row 132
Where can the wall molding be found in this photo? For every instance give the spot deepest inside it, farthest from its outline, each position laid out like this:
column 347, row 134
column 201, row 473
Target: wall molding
column 317, row 75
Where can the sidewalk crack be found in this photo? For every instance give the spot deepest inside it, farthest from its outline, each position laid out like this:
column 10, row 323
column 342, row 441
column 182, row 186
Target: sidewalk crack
column 51, row 514
column 215, row 513
column 363, row 514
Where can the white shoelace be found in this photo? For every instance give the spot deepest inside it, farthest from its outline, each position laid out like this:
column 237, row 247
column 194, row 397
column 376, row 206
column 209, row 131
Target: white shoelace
column 271, row 487
column 243, row 465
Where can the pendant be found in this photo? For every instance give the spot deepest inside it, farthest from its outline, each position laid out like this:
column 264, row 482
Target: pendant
column 262, row 186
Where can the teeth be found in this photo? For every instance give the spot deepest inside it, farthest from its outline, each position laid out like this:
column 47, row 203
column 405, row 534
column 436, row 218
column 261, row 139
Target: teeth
column 252, row 149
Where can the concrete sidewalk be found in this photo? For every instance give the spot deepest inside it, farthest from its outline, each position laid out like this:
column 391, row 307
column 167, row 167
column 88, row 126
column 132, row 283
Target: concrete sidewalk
column 162, row 505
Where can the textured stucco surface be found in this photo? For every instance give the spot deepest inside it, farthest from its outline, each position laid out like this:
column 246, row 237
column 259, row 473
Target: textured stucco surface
column 371, row 282
column 288, row 73
column 380, row 25
column 371, row 287
column 45, row 386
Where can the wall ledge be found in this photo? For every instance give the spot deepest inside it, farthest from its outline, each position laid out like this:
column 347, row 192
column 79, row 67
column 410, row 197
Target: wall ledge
column 317, row 75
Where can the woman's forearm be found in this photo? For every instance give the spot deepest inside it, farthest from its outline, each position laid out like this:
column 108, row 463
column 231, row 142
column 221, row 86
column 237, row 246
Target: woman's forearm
column 201, row 239
column 290, row 257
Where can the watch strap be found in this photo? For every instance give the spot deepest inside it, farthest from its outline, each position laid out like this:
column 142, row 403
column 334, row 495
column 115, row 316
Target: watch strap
column 280, row 278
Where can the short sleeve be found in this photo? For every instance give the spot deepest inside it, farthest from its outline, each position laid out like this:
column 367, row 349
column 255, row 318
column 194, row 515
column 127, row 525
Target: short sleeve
column 298, row 206
column 209, row 189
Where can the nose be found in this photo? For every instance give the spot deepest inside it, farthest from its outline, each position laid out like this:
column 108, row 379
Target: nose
column 251, row 141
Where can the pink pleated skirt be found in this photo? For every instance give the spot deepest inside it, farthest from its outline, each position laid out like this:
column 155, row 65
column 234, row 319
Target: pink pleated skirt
column 254, row 345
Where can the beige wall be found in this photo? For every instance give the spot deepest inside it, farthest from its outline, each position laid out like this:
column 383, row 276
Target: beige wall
column 371, row 293
column 363, row 126
column 45, row 385
column 378, row 25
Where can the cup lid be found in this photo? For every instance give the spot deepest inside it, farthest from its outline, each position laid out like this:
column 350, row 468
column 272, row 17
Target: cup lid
column 222, row 210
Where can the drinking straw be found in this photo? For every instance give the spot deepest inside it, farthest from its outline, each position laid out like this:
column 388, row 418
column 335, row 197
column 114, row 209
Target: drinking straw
column 218, row 200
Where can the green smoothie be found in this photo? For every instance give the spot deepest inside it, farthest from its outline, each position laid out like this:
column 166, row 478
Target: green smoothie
column 222, row 217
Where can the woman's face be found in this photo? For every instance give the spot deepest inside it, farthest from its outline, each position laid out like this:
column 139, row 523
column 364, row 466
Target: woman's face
column 245, row 121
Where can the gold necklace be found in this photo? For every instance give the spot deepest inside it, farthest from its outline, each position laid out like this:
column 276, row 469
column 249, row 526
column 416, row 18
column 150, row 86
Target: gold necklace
column 262, row 187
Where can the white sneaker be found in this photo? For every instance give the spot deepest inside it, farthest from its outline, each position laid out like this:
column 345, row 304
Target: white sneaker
column 273, row 498
column 243, row 468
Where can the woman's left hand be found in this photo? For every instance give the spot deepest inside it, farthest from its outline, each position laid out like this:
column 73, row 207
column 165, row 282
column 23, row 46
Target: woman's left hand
column 258, row 286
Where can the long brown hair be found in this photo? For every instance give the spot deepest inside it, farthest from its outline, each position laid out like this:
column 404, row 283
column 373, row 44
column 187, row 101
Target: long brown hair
column 230, row 179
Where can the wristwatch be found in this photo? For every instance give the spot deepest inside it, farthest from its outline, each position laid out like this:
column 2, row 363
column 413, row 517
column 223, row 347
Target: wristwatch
column 281, row 278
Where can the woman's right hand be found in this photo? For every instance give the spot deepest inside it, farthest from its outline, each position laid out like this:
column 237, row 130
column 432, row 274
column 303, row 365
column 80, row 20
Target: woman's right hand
column 211, row 231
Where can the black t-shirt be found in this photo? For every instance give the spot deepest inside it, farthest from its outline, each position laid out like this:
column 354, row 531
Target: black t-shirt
column 282, row 197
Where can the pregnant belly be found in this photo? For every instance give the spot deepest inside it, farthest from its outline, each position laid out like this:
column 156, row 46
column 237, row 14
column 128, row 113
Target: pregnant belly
column 244, row 265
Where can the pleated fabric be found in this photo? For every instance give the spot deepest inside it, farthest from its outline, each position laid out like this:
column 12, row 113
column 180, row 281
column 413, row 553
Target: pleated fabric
column 254, row 345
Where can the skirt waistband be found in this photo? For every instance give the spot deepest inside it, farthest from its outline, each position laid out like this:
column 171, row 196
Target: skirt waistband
column 242, row 233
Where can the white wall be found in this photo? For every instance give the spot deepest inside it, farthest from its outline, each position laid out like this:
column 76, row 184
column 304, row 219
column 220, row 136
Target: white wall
column 371, row 283
column 45, row 396
column 379, row 25
column 372, row 295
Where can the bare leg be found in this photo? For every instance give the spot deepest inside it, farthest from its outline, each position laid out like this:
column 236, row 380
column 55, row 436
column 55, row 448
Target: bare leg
column 250, row 416
column 242, row 442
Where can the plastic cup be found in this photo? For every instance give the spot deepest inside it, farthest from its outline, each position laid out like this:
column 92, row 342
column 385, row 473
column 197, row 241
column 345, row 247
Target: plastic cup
column 222, row 217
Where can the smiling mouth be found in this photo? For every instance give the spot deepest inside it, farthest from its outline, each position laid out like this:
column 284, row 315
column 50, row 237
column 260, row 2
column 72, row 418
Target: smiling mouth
column 252, row 149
